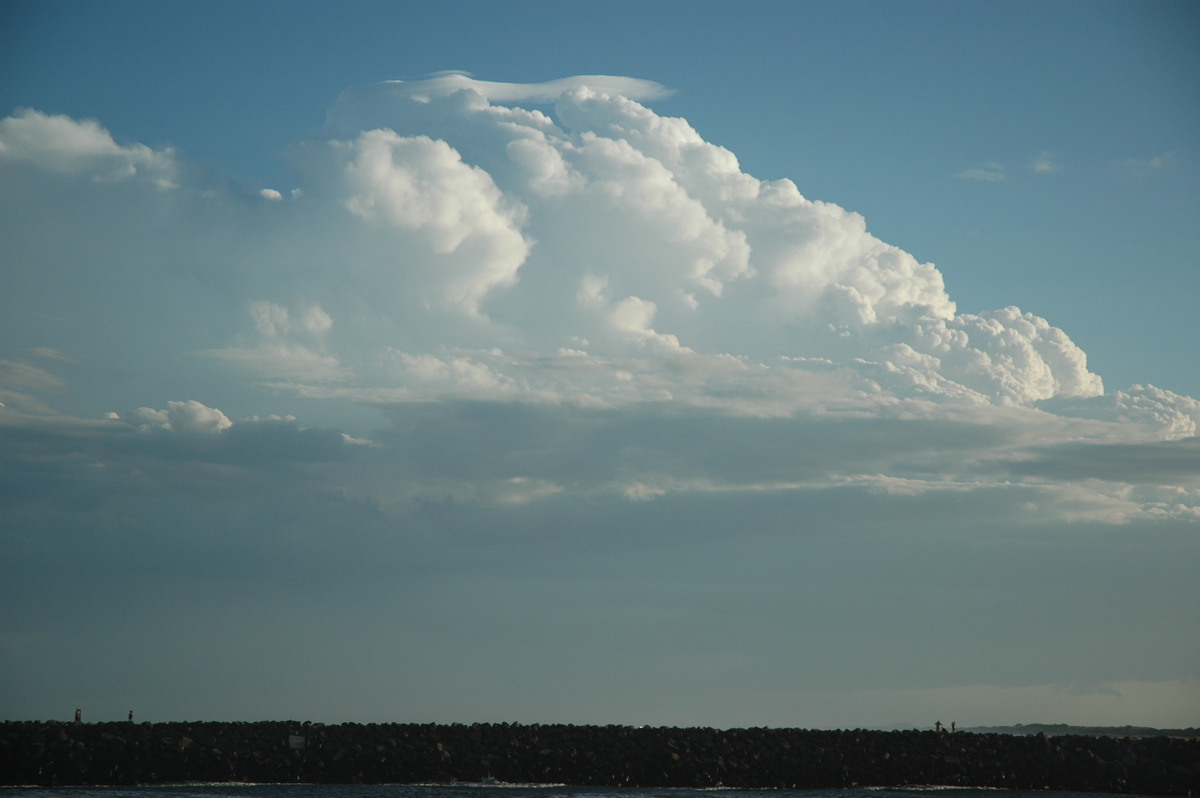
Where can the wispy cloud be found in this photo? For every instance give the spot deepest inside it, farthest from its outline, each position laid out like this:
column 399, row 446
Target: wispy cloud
column 1143, row 167
column 1044, row 164
column 990, row 173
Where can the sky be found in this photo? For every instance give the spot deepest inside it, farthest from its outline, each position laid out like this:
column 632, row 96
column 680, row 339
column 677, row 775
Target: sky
column 698, row 364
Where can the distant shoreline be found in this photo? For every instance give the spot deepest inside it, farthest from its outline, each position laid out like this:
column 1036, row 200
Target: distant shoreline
column 1060, row 729
column 53, row 753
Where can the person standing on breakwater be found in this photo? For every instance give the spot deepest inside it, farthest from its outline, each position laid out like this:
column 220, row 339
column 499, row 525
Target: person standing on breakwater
column 953, row 725
column 937, row 727
column 78, row 715
column 131, row 716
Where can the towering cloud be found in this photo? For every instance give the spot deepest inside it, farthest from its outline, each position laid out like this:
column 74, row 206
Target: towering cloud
column 569, row 371
column 598, row 231
column 456, row 239
column 551, row 242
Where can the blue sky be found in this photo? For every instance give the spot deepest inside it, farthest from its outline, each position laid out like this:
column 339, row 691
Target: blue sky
column 808, row 364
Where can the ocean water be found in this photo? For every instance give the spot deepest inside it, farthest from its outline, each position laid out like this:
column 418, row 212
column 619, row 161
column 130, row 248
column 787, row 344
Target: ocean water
column 509, row 791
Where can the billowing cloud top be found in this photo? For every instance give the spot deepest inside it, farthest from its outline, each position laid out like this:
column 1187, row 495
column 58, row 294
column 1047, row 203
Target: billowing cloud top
column 609, row 239
column 64, row 145
column 450, row 244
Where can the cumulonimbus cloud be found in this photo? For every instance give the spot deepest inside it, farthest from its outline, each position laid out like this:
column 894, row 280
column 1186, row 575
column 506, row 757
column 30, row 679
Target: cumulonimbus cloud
column 600, row 351
column 645, row 241
column 464, row 239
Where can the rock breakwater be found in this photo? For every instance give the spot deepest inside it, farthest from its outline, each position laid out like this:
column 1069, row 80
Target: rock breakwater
column 54, row 754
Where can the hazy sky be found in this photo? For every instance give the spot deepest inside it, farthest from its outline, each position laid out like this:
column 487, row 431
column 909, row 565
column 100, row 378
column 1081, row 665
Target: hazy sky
column 691, row 363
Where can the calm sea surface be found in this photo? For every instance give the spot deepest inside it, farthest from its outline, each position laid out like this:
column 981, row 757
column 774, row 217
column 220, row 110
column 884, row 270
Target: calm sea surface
column 502, row 791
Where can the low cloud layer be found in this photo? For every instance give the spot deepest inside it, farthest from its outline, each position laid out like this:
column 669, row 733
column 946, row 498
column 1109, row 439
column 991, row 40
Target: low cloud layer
column 498, row 332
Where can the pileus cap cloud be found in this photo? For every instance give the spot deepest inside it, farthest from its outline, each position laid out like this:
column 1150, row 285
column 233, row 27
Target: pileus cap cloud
column 446, row 83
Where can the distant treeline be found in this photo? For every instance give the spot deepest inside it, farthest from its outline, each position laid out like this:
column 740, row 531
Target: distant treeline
column 58, row 754
column 1060, row 729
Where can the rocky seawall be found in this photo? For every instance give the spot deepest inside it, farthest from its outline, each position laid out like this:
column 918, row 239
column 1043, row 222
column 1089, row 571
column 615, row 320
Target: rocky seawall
column 60, row 754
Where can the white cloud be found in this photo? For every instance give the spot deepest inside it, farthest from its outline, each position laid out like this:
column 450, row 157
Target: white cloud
column 632, row 398
column 21, row 374
column 1012, row 356
column 287, row 344
column 490, row 239
column 66, row 146
column 1173, row 415
column 284, row 361
column 275, row 321
column 1145, row 167
column 448, row 83
column 1146, row 410
column 21, row 383
column 187, row 418
column 1044, row 164
column 710, row 259
column 610, row 260
column 421, row 185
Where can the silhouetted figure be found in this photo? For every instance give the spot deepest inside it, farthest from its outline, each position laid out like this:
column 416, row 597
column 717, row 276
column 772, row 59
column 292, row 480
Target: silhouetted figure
column 953, row 725
column 937, row 727
column 78, row 715
column 131, row 716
